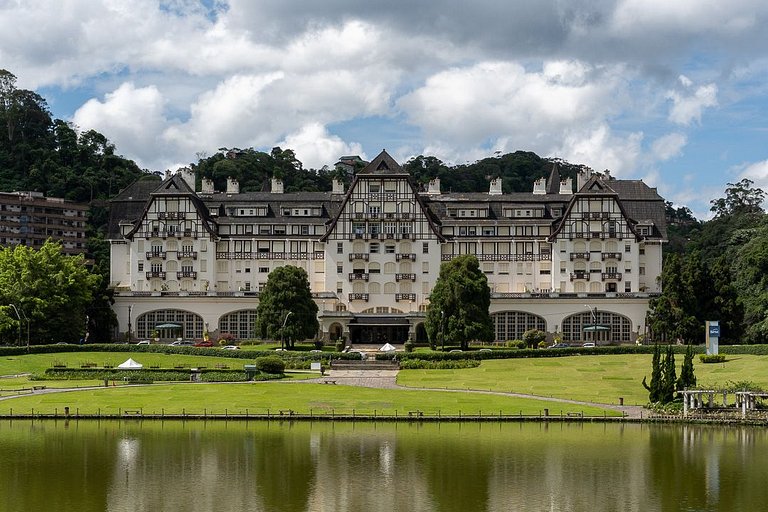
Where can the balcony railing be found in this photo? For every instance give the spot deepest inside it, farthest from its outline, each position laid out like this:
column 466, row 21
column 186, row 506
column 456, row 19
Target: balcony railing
column 579, row 256
column 186, row 273
column 156, row 254
column 405, row 256
column 580, row 275
column 358, row 276
column 172, row 215
column 358, row 256
column 405, row 277
column 358, row 296
column 595, row 215
column 405, row 296
column 186, row 254
column 611, row 276
column 155, row 274
column 611, row 256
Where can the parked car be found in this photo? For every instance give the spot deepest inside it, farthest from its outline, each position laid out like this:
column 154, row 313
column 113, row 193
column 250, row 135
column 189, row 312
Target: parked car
column 143, row 342
column 560, row 345
column 204, row 344
column 182, row 343
column 589, row 344
column 230, row 347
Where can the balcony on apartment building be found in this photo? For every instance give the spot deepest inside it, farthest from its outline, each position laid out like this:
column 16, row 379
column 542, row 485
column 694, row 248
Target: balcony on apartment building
column 358, row 256
column 405, row 277
column 405, row 297
column 358, row 276
column 358, row 296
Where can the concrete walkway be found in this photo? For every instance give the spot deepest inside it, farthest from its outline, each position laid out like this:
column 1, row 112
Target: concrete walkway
column 387, row 379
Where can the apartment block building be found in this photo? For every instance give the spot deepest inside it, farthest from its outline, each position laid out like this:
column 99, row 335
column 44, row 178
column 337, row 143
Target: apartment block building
column 30, row 218
column 578, row 260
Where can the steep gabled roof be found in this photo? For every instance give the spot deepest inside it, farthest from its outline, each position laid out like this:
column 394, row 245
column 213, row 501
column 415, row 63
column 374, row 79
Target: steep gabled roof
column 383, row 164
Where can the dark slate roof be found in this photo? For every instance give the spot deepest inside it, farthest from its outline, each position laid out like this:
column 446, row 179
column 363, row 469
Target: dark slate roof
column 642, row 203
column 129, row 204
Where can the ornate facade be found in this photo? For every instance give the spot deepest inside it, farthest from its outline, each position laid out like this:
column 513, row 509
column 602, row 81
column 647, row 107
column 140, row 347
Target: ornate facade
column 580, row 262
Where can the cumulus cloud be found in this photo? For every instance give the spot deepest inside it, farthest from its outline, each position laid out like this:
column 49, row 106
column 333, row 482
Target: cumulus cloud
column 315, row 146
column 757, row 172
column 668, row 146
column 687, row 108
column 131, row 117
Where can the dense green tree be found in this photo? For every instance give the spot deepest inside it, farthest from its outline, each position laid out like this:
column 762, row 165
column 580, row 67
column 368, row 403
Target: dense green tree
column 740, row 198
column 53, row 290
column 459, row 303
column 286, row 310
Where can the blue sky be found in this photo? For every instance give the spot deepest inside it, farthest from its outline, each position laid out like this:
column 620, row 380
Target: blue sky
column 674, row 93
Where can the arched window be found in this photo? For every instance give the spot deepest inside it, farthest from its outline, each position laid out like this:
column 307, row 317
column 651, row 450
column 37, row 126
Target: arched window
column 190, row 325
column 604, row 327
column 510, row 325
column 239, row 323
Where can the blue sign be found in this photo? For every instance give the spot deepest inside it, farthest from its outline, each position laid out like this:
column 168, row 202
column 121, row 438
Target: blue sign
column 714, row 330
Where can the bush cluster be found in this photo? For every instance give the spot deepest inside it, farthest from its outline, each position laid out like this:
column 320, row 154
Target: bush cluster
column 143, row 375
column 420, row 364
column 270, row 364
column 713, row 358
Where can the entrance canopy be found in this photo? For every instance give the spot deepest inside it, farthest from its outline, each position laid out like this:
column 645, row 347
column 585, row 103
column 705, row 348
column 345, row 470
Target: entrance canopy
column 594, row 328
column 168, row 326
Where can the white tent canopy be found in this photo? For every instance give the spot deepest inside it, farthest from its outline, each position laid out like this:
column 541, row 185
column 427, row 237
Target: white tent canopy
column 130, row 364
column 387, row 348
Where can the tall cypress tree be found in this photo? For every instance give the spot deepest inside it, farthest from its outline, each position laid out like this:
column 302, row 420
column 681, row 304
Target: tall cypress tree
column 687, row 377
column 654, row 389
column 669, row 379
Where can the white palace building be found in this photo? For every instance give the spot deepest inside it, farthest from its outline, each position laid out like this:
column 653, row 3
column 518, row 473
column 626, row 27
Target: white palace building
column 580, row 262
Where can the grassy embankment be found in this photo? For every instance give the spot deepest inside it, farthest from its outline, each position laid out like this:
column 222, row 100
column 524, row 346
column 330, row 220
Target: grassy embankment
column 239, row 398
column 600, row 379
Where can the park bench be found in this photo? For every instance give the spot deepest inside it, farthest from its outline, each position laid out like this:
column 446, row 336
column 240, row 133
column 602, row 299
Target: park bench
column 328, row 382
column 222, row 366
column 575, row 414
column 132, row 412
column 286, row 412
column 416, row 413
column 88, row 365
column 38, row 388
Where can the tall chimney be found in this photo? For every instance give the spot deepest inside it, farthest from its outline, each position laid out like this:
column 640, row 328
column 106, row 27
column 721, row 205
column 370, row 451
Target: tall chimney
column 233, row 186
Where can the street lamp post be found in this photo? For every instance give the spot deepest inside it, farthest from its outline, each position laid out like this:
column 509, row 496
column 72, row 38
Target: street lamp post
column 282, row 331
column 442, row 329
column 130, row 309
column 593, row 312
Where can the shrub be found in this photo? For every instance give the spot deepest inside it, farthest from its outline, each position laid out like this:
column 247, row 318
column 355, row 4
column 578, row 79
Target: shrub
column 340, row 345
column 318, row 344
column 408, row 346
column 226, row 338
column 419, row 364
column 542, row 344
column 270, row 364
column 713, row 358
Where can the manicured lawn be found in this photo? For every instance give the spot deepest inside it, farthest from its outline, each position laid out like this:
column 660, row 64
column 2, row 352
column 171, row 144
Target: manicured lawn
column 257, row 398
column 601, row 379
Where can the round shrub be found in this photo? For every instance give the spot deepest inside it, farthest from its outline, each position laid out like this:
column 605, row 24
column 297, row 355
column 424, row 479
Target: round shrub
column 270, row 364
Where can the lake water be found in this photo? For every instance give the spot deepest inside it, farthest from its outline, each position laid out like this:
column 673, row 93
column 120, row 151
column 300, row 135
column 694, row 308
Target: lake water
column 137, row 466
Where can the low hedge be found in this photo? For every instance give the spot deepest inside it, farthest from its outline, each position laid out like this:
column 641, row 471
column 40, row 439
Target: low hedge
column 712, row 358
column 420, row 364
column 144, row 375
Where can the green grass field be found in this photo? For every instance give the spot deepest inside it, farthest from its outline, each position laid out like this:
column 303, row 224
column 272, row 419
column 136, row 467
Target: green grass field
column 600, row 379
column 258, row 398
